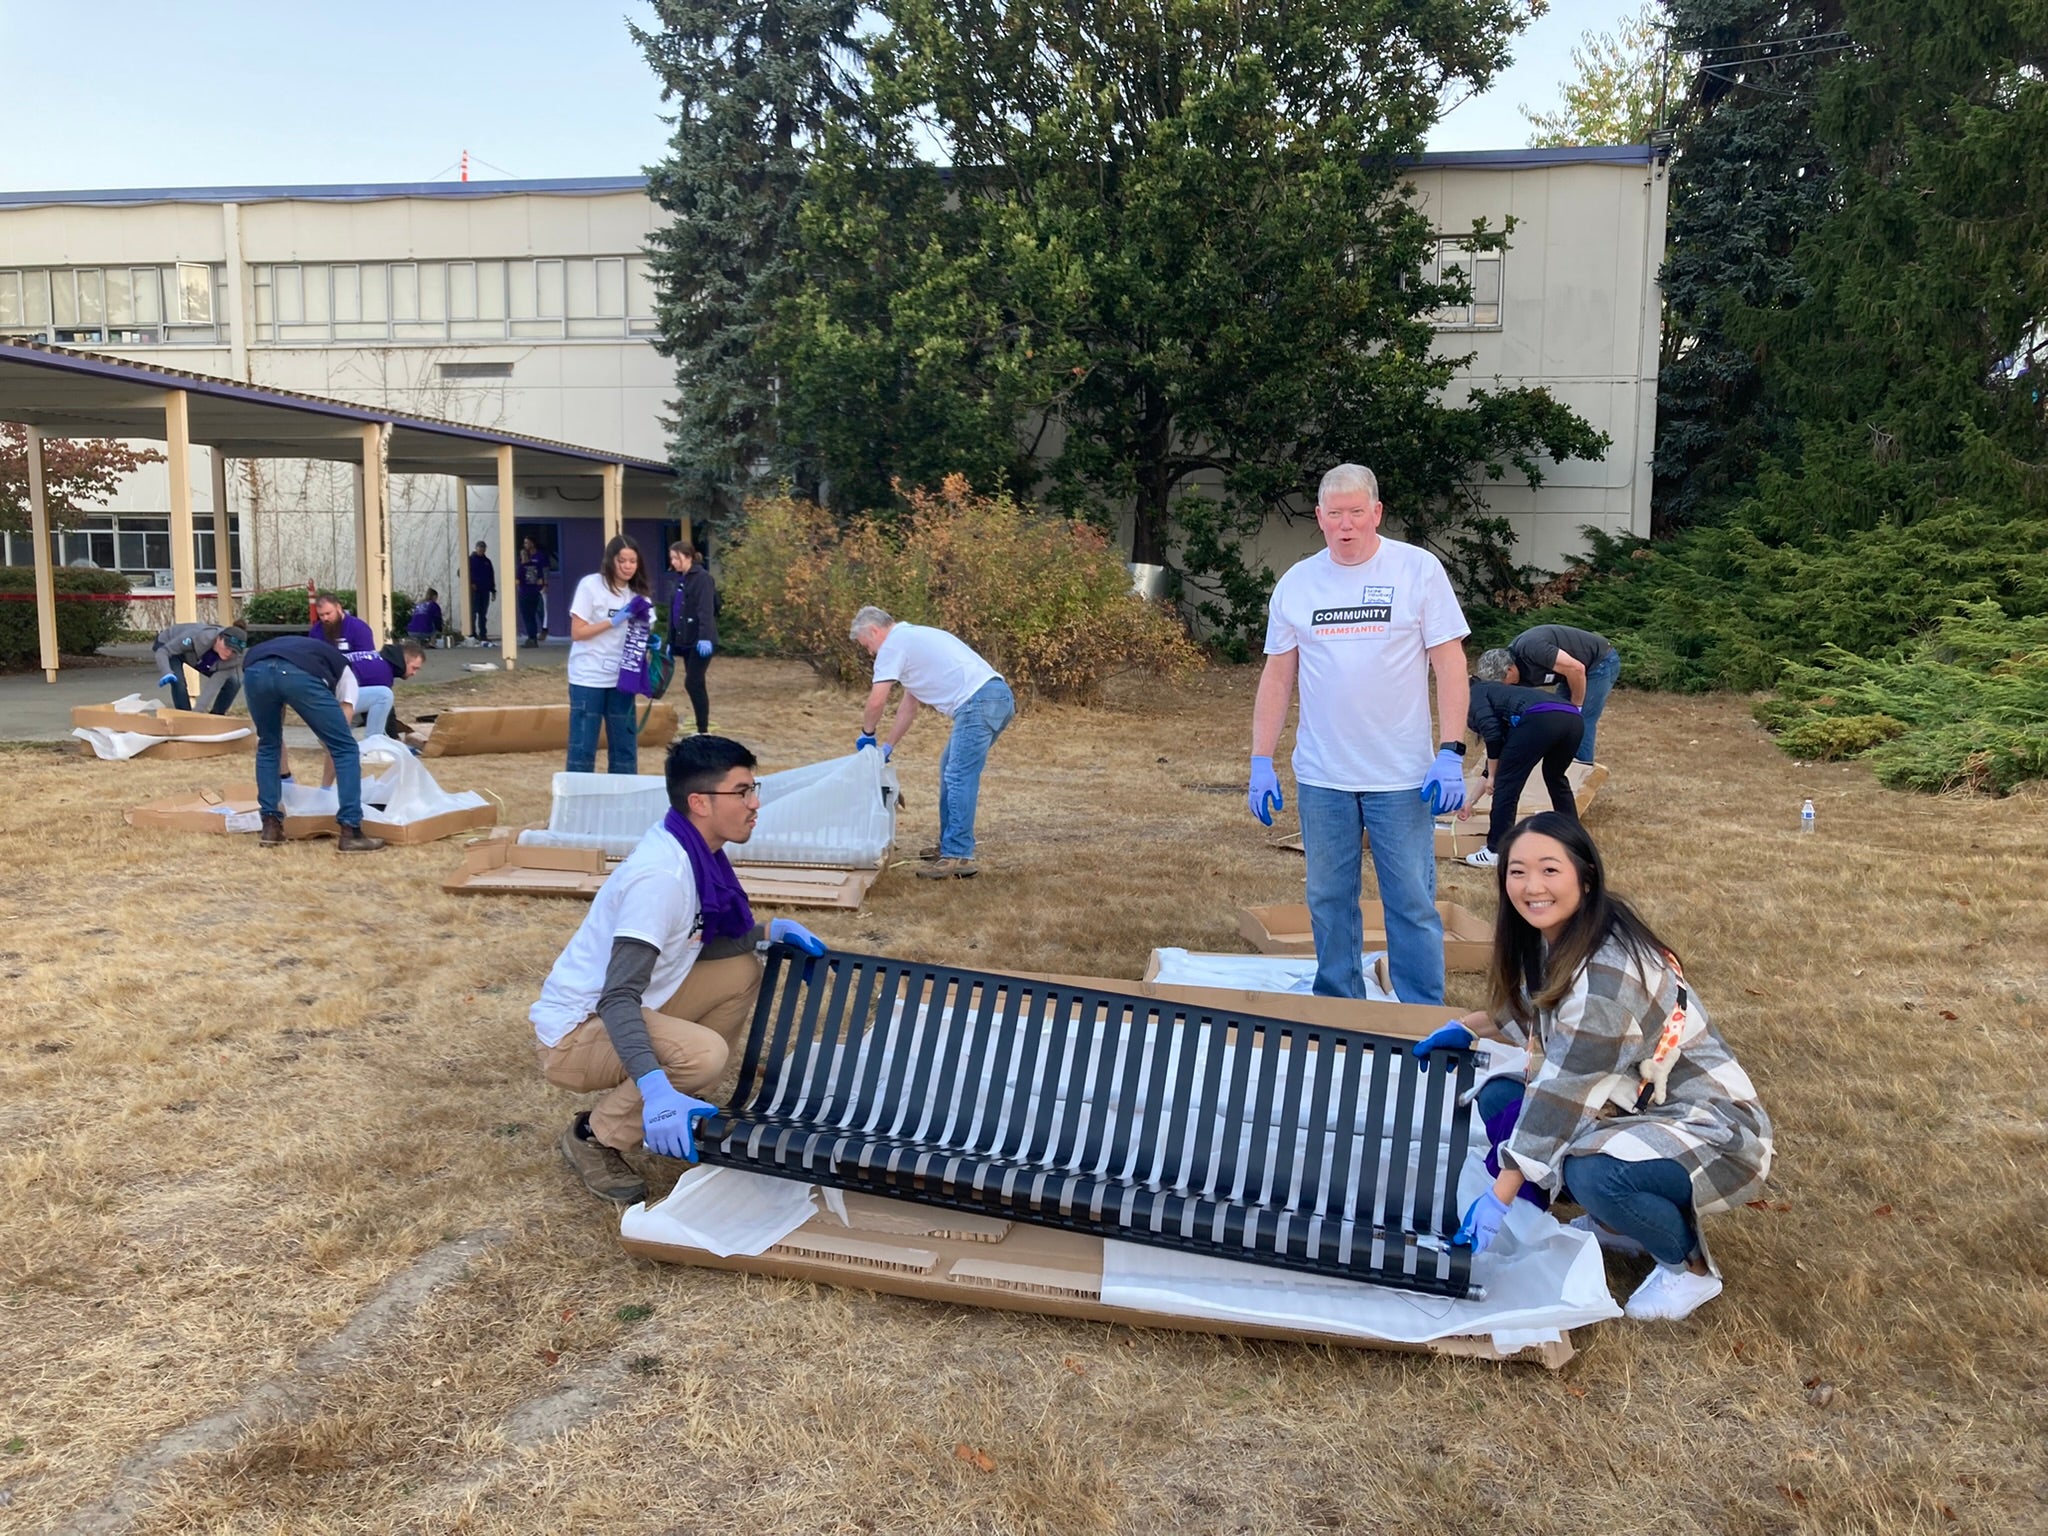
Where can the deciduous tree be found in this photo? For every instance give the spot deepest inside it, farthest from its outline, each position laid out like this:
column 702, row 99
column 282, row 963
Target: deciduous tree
column 79, row 474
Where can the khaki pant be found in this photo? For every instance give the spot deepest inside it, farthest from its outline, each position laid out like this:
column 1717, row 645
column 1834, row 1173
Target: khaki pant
column 693, row 1037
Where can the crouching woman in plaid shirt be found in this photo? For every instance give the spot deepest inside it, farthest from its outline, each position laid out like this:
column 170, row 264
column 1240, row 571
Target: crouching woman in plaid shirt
column 1634, row 1106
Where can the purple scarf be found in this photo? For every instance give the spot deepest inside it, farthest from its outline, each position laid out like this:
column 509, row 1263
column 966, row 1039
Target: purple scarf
column 719, row 896
column 633, row 659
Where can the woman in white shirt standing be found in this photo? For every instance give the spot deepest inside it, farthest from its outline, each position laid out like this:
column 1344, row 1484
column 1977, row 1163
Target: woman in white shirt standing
column 608, row 609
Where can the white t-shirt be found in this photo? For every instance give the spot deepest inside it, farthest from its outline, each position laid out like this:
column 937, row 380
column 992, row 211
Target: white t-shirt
column 939, row 670
column 651, row 897
column 1362, row 631
column 595, row 663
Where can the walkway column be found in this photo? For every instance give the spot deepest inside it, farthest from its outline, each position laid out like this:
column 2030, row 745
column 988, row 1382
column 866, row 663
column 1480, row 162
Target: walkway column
column 39, row 531
column 373, row 589
column 223, row 545
column 508, row 627
column 178, row 445
column 462, row 557
column 614, row 477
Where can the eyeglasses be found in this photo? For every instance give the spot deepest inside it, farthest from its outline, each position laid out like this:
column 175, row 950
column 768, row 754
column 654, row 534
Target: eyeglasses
column 745, row 792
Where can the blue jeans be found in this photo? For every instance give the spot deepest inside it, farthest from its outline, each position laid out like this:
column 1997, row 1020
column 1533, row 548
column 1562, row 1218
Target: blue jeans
column 376, row 702
column 1333, row 824
column 615, row 713
column 975, row 728
column 181, row 697
column 1599, row 683
column 271, row 685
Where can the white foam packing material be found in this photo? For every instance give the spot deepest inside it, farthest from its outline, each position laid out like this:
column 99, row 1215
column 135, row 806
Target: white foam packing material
column 118, row 746
column 839, row 813
column 397, row 785
column 1292, row 974
column 725, row 1211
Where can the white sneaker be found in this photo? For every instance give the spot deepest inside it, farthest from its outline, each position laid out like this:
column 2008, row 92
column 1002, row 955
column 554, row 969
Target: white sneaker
column 1485, row 858
column 1610, row 1240
column 1670, row 1294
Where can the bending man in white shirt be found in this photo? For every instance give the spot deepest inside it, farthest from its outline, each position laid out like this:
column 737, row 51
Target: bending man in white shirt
column 939, row 671
column 645, row 1004
column 1360, row 628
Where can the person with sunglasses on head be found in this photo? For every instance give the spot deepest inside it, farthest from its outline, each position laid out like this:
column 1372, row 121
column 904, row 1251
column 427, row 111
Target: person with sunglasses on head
column 647, row 1001
column 1634, row 1106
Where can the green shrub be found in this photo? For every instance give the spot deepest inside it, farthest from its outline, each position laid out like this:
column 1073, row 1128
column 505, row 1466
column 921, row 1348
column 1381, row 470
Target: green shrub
column 1046, row 600
column 287, row 605
column 84, row 622
column 1965, row 707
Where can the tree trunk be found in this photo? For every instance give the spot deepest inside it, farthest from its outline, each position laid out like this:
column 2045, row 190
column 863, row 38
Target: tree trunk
column 1149, row 519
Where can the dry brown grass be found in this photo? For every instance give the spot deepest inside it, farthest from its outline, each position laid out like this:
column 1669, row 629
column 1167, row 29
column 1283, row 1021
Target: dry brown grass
column 244, row 1091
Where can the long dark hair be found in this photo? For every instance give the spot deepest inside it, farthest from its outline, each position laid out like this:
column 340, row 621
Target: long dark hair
column 1529, row 976
column 642, row 582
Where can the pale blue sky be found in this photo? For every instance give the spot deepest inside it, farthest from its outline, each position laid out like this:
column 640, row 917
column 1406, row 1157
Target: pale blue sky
column 118, row 93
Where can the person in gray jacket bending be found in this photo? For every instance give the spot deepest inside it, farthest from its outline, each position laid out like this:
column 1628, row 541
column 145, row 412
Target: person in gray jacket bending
column 214, row 651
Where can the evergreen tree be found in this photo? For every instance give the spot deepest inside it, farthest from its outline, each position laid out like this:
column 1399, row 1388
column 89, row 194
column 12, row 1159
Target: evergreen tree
column 1749, row 177
column 754, row 83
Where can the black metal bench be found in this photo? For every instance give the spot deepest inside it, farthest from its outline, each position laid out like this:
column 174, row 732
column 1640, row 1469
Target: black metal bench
column 1301, row 1146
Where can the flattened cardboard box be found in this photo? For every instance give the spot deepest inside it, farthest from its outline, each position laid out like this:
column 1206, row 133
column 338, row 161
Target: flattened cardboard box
column 901, row 1249
column 500, row 865
column 195, row 811
column 163, row 722
column 1284, row 930
column 470, row 731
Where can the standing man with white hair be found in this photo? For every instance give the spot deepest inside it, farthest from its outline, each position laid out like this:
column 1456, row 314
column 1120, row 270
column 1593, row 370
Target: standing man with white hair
column 943, row 672
column 1361, row 627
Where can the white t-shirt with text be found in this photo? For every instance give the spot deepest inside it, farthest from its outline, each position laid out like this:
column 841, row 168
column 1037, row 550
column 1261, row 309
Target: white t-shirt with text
column 651, row 897
column 1362, row 632
column 595, row 663
column 938, row 669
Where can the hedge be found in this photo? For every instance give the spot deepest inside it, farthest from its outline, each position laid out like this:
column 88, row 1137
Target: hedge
column 287, row 605
column 82, row 626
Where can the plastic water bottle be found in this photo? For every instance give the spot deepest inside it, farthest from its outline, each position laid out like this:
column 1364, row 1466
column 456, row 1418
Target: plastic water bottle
column 1806, row 817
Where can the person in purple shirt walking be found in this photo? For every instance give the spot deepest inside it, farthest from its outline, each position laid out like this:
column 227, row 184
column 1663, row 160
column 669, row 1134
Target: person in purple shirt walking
column 483, row 586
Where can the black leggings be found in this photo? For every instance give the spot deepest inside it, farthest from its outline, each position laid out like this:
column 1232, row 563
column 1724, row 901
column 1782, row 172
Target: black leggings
column 694, row 668
column 1548, row 739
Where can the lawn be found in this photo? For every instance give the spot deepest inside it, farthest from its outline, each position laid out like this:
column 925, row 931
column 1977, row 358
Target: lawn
column 286, row 1245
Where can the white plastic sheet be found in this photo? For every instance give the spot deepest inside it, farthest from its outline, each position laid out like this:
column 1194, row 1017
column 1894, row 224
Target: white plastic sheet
column 1255, row 973
column 839, row 813
column 118, row 746
column 724, row 1211
column 396, row 785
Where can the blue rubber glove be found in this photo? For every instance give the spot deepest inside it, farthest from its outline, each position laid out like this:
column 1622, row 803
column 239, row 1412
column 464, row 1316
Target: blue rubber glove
column 1444, row 789
column 863, row 740
column 704, row 648
column 1482, row 1222
column 787, row 930
column 1452, row 1036
column 669, row 1118
column 1264, row 796
column 621, row 617
column 888, row 751
column 166, row 680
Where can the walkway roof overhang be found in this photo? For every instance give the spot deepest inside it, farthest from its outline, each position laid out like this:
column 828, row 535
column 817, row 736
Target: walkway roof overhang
column 67, row 393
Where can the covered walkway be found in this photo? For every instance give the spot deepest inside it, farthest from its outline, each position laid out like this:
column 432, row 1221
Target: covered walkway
column 57, row 392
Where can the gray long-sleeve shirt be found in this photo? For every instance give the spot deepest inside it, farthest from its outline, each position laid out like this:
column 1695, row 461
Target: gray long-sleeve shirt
column 191, row 645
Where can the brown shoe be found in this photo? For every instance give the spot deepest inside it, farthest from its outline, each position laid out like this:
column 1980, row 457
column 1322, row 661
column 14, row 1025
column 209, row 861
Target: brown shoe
column 930, row 853
column 272, row 835
column 353, row 841
column 603, row 1172
column 949, row 869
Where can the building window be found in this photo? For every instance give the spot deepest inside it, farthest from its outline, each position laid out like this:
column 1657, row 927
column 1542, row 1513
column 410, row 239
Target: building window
column 112, row 306
column 137, row 546
column 543, row 298
column 1482, row 269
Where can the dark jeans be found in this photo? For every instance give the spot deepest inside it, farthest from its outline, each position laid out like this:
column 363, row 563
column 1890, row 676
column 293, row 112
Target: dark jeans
column 1648, row 1201
column 694, row 668
column 181, row 697
column 273, row 684
column 616, row 713
column 479, row 611
column 530, row 600
column 1545, row 739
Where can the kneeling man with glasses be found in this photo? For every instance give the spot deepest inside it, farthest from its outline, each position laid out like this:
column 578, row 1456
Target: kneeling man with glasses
column 645, row 1004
